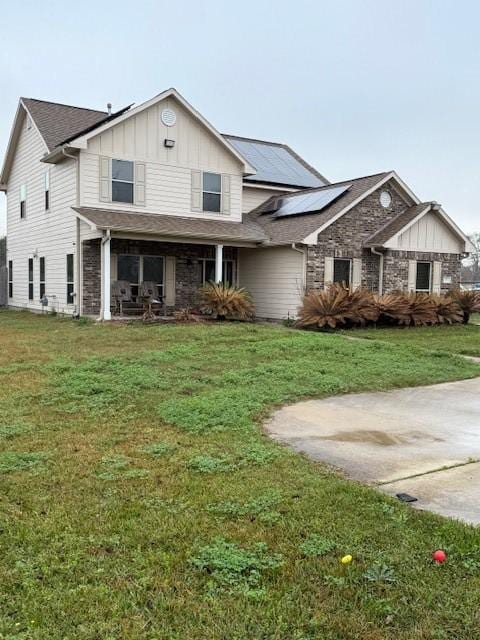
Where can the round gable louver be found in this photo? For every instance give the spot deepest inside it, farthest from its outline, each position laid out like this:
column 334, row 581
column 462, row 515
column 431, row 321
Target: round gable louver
column 385, row 199
column 168, row 117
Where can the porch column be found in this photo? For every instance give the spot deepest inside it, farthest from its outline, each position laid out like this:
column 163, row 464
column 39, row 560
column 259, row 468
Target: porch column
column 106, row 286
column 219, row 263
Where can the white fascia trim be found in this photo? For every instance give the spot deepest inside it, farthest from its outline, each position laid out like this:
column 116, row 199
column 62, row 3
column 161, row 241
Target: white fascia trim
column 88, row 222
column 13, row 140
column 268, row 187
column 312, row 237
column 82, row 141
column 390, row 244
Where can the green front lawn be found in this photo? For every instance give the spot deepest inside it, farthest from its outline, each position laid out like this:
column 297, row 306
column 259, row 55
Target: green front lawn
column 140, row 498
column 464, row 339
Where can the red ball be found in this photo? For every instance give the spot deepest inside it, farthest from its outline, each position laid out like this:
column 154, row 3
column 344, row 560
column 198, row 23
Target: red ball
column 439, row 556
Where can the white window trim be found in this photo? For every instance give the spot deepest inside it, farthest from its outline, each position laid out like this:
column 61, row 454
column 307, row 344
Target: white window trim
column 140, row 269
column 23, row 199
column 216, row 193
column 112, row 180
column 430, row 276
column 47, row 190
column 225, row 260
column 350, row 270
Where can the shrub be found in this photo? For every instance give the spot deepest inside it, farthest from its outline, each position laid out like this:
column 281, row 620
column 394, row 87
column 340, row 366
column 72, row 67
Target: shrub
column 329, row 307
column 225, row 301
column 468, row 301
column 364, row 307
column 394, row 308
column 336, row 306
column 447, row 309
column 422, row 309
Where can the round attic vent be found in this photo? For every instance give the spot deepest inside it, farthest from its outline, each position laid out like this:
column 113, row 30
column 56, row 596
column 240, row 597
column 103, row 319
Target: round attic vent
column 169, row 117
column 385, row 199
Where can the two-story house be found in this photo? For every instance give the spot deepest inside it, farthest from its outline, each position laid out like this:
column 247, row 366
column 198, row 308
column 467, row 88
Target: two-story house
column 155, row 193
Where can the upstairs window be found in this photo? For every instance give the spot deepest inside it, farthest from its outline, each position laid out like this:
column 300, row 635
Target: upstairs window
column 30, row 278
column 212, row 192
column 23, row 201
column 122, row 181
column 47, row 190
column 424, row 277
column 70, row 283
column 42, row 277
column 10, row 278
column 342, row 270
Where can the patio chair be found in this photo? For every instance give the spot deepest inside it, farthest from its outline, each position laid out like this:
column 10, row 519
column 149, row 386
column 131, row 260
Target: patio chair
column 121, row 292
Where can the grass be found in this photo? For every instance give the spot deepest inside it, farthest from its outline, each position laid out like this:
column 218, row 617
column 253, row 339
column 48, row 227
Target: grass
column 140, row 498
column 462, row 339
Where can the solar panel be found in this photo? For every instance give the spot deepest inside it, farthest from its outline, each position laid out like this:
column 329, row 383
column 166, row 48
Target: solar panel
column 275, row 164
column 308, row 202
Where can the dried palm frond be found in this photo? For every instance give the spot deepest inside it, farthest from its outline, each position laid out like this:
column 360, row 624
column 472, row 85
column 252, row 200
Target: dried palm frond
column 363, row 307
column 468, row 301
column 447, row 309
column 329, row 307
column 187, row 314
column 422, row 309
column 226, row 301
column 393, row 307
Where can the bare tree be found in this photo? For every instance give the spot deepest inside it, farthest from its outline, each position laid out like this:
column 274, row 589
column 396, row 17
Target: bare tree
column 471, row 265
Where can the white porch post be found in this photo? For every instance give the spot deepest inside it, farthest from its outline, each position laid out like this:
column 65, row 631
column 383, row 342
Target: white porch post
column 219, row 263
column 106, row 286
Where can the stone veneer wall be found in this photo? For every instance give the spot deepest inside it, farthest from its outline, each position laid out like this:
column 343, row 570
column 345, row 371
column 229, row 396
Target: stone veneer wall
column 395, row 268
column 188, row 268
column 345, row 239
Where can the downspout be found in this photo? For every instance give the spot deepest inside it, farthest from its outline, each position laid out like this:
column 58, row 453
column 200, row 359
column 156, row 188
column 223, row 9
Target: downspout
column 380, row 269
column 106, row 238
column 303, row 251
column 78, row 303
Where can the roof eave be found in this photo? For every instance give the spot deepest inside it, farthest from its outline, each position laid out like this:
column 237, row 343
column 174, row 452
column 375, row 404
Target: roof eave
column 81, row 141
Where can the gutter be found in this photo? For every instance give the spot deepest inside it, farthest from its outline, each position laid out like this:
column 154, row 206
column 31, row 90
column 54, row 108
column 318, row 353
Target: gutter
column 303, row 251
column 380, row 269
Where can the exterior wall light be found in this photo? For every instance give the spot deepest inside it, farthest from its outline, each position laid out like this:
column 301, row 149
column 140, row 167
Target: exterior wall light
column 169, row 143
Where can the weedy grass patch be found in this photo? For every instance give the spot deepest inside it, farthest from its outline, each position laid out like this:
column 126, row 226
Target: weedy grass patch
column 140, row 498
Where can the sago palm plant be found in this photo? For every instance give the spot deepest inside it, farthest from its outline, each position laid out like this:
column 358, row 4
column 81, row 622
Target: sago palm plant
column 329, row 307
column 225, row 301
column 468, row 301
column 447, row 309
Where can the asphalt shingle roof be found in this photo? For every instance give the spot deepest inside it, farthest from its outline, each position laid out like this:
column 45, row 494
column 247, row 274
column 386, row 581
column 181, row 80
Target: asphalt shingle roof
column 57, row 122
column 175, row 226
column 297, row 227
column 396, row 224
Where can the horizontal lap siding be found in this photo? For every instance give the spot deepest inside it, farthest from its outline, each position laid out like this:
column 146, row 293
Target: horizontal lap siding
column 274, row 278
column 168, row 171
column 254, row 197
column 51, row 233
column 168, row 191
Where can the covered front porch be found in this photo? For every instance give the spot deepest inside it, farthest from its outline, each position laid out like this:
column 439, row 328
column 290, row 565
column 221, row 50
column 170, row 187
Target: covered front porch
column 173, row 272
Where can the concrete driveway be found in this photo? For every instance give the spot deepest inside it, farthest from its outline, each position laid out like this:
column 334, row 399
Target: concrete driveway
column 423, row 441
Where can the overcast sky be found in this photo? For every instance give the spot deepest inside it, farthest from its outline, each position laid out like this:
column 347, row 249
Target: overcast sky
column 354, row 86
